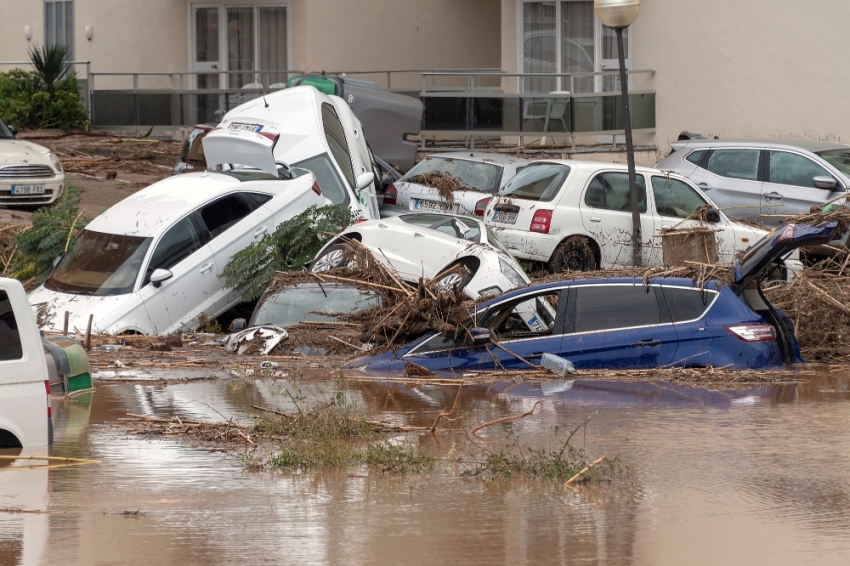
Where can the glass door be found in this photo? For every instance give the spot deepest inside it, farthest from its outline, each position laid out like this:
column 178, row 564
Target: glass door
column 206, row 58
column 240, row 48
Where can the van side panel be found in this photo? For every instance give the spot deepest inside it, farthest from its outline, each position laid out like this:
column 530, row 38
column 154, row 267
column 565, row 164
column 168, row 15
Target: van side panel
column 23, row 369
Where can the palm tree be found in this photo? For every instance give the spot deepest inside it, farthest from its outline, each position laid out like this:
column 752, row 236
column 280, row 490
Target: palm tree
column 50, row 65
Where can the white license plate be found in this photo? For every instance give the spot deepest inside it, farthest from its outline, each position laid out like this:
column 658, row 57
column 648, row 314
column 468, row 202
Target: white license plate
column 504, row 217
column 244, row 127
column 422, row 204
column 27, row 189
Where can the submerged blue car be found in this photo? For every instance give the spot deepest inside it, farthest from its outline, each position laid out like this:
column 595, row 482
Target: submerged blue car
column 621, row 323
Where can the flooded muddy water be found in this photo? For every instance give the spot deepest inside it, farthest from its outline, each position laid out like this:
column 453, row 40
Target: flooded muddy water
column 750, row 475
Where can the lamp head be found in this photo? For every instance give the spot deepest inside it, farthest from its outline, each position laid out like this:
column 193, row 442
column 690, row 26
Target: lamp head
column 616, row 14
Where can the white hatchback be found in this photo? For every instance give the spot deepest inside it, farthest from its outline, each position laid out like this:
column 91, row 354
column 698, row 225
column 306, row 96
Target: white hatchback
column 483, row 173
column 152, row 263
column 428, row 245
column 576, row 215
column 29, row 173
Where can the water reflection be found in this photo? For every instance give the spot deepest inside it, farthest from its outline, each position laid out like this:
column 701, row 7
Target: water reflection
column 738, row 474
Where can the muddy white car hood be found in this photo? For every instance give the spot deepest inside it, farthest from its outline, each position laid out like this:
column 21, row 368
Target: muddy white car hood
column 19, row 152
column 79, row 308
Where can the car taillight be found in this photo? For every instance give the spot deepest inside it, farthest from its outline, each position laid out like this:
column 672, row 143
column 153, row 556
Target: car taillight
column 361, row 219
column 541, row 221
column 390, row 195
column 786, row 234
column 481, row 206
column 316, row 188
column 49, row 408
column 752, row 332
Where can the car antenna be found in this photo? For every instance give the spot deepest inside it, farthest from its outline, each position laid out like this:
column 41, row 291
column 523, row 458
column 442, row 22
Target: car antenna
column 264, row 102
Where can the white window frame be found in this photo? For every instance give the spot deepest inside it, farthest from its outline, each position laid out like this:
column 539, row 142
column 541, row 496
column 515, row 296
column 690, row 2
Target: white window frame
column 597, row 45
column 222, row 39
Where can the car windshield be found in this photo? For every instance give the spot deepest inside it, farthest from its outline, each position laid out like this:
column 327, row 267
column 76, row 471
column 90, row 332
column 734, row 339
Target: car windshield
column 329, row 182
column 459, row 227
column 838, row 158
column 477, row 174
column 312, row 302
column 536, row 182
column 100, row 264
column 193, row 149
column 5, row 133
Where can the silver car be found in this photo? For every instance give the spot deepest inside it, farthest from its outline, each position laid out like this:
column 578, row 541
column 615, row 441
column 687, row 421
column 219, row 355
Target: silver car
column 763, row 179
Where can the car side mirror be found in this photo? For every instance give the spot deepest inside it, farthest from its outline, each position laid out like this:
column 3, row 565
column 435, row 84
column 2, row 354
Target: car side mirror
column 364, row 180
column 712, row 216
column 160, row 275
column 13, row 130
column 824, row 182
column 480, row 336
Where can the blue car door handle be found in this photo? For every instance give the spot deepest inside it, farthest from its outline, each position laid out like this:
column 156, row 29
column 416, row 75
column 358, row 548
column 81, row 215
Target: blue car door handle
column 652, row 342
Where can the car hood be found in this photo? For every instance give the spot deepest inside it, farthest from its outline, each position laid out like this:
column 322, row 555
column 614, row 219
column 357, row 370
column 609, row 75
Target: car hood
column 786, row 238
column 17, row 152
column 79, row 308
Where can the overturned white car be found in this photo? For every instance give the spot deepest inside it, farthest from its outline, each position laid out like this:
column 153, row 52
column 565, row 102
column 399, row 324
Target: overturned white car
column 429, row 245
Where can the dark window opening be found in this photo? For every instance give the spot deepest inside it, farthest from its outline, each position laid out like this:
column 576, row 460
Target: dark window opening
column 181, row 241
column 10, row 338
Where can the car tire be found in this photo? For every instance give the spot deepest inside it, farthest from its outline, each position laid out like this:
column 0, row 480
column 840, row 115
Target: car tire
column 573, row 254
column 457, row 279
column 331, row 258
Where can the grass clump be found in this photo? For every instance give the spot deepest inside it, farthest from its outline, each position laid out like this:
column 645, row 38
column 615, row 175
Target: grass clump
column 334, row 434
column 289, row 248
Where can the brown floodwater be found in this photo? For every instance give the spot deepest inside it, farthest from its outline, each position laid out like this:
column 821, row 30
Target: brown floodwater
column 744, row 475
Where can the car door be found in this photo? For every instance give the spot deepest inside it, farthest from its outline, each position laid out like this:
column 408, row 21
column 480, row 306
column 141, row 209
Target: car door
column 618, row 326
column 789, row 187
column 687, row 306
column 674, row 201
column 178, row 301
column 516, row 339
column 730, row 178
column 606, row 212
column 234, row 222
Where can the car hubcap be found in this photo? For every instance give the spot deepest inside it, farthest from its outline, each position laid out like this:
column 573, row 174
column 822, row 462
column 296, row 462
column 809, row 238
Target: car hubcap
column 447, row 284
column 330, row 260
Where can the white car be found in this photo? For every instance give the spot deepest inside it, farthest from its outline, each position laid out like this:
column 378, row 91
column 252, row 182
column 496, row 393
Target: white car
column 29, row 173
column 152, row 263
column 425, row 245
column 319, row 133
column 576, row 215
column 486, row 173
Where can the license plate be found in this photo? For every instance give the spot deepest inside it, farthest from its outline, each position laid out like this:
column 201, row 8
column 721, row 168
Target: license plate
column 504, row 217
column 421, row 204
column 244, row 127
column 27, row 189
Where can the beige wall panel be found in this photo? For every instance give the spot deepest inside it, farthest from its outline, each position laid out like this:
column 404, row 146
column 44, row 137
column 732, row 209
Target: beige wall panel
column 400, row 34
column 133, row 36
column 15, row 15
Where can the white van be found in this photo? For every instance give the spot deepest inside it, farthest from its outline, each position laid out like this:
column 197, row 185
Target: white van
column 24, row 385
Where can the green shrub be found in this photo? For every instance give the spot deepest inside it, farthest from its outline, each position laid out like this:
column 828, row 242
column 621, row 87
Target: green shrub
column 289, row 248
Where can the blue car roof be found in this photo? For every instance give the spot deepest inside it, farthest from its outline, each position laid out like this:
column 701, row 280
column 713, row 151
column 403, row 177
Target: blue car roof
column 677, row 281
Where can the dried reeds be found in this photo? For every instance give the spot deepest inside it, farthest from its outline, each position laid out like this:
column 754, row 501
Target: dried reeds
column 444, row 183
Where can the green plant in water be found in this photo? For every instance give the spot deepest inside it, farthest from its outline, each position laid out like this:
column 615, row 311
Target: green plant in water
column 52, row 233
column 289, row 248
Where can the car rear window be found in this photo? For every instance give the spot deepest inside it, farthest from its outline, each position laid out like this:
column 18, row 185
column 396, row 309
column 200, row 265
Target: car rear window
column 312, row 302
column 609, row 307
column 696, row 156
column 461, row 228
column 479, row 175
column 536, row 182
column 99, row 264
column 687, row 304
column 10, row 339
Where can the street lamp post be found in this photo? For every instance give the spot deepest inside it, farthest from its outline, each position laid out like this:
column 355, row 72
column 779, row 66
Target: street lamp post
column 618, row 15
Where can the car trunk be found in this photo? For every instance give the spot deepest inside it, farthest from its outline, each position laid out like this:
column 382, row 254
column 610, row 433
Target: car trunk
column 761, row 257
column 242, row 143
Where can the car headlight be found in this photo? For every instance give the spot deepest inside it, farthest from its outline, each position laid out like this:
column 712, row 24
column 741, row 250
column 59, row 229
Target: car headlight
column 55, row 161
column 511, row 273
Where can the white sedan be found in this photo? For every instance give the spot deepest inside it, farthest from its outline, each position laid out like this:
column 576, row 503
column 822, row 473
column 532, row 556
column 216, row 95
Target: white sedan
column 576, row 215
column 152, row 263
column 427, row 245
column 483, row 173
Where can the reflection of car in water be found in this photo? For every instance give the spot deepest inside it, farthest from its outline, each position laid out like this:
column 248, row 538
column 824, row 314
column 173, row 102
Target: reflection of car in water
column 311, row 302
column 622, row 324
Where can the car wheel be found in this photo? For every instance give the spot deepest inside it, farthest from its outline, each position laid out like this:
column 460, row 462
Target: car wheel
column 573, row 254
column 331, row 258
column 458, row 279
